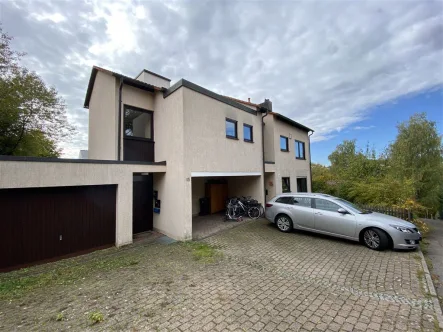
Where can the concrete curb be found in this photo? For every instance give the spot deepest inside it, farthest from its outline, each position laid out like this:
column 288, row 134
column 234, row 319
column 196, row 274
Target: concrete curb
column 432, row 291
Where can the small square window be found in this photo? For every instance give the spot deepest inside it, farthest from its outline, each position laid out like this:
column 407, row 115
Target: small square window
column 299, row 150
column 284, row 144
column 247, row 133
column 231, row 128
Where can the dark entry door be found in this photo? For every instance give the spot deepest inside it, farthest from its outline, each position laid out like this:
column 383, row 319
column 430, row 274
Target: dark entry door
column 142, row 205
column 37, row 224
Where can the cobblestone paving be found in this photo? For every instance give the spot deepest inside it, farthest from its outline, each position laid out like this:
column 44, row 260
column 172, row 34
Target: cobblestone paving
column 264, row 280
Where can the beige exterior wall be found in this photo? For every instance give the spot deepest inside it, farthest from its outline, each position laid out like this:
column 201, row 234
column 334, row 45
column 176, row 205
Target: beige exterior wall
column 18, row 174
column 102, row 138
column 174, row 187
column 285, row 163
column 270, row 185
column 269, row 138
column 154, row 80
column 206, row 147
column 246, row 186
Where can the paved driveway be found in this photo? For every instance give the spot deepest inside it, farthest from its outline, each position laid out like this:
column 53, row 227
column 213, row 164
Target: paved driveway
column 259, row 279
column 435, row 252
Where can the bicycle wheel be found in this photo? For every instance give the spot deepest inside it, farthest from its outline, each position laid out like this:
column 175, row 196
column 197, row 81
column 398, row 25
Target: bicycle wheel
column 254, row 212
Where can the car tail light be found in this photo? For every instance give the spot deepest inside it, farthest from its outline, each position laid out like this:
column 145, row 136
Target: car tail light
column 268, row 205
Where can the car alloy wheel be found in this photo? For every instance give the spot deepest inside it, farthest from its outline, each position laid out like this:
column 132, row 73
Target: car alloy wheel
column 371, row 238
column 283, row 224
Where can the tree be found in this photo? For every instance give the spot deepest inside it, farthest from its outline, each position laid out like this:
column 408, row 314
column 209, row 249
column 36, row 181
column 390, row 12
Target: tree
column 322, row 179
column 417, row 155
column 32, row 115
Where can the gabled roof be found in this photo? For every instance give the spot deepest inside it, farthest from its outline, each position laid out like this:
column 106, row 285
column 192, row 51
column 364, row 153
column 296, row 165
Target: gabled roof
column 126, row 79
column 244, row 102
column 206, row 92
column 290, row 121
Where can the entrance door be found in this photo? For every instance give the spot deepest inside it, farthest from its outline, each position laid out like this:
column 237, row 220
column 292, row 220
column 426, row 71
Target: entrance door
column 142, row 205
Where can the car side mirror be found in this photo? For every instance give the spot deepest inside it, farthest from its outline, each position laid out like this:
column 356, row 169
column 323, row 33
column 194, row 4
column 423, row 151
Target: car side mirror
column 342, row 211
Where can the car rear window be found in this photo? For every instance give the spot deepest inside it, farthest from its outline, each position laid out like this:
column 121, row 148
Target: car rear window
column 302, row 201
column 285, row 200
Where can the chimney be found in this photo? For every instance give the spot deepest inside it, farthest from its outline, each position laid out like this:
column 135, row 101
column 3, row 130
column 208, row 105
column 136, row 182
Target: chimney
column 249, row 100
column 267, row 104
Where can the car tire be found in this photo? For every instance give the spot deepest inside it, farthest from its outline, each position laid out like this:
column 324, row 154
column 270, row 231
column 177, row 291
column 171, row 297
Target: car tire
column 375, row 239
column 284, row 223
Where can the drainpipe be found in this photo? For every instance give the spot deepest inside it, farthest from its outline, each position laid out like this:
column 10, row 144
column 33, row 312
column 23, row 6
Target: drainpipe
column 310, row 163
column 263, row 151
column 119, row 118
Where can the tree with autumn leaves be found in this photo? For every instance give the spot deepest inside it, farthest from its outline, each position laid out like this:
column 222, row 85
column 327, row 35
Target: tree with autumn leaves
column 408, row 174
column 32, row 115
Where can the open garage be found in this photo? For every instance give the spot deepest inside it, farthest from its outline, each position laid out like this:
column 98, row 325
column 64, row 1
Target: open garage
column 210, row 193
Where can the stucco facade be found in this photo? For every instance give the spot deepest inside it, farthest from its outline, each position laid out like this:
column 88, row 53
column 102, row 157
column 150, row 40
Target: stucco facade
column 285, row 164
column 189, row 133
column 32, row 174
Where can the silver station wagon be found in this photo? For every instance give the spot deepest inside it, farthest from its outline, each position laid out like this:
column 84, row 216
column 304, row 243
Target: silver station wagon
column 334, row 216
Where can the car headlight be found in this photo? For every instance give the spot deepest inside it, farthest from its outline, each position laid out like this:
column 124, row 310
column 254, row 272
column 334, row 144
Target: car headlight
column 402, row 229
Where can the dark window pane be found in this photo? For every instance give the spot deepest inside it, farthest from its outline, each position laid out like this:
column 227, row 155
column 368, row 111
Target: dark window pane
column 323, row 204
column 247, row 133
column 283, row 143
column 231, row 129
column 137, row 123
column 302, row 201
column 286, row 185
column 285, row 200
column 302, row 185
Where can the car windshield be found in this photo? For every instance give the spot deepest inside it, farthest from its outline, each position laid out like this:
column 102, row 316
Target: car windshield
column 352, row 206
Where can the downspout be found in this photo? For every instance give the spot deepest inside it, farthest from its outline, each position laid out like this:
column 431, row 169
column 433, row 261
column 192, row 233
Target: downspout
column 263, row 151
column 310, row 162
column 119, row 118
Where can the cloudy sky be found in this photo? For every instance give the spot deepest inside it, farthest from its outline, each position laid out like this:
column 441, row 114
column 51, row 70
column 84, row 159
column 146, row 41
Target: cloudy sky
column 326, row 64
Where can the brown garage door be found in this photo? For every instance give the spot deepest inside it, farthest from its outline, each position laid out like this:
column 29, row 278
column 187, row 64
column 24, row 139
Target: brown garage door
column 44, row 223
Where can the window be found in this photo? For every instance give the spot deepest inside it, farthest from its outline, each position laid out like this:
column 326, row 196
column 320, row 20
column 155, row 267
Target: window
column 138, row 122
column 231, row 128
column 286, row 185
column 302, row 185
column 284, row 144
column 299, row 150
column 247, row 133
column 323, row 204
column 285, row 200
column 302, row 201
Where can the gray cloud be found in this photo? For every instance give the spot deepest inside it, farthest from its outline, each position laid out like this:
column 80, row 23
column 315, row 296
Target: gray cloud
column 321, row 63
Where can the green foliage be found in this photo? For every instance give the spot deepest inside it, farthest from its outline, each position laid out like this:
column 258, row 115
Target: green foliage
column 202, row 251
column 96, row 317
column 409, row 174
column 33, row 115
column 59, row 317
column 322, row 179
column 416, row 155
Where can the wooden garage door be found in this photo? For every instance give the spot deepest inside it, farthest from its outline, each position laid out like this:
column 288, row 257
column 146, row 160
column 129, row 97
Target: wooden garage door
column 44, row 223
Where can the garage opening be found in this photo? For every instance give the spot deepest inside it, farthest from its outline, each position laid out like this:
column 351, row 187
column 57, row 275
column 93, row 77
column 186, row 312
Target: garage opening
column 209, row 197
column 39, row 224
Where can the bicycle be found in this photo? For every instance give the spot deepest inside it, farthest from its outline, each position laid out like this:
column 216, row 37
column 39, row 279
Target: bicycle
column 236, row 209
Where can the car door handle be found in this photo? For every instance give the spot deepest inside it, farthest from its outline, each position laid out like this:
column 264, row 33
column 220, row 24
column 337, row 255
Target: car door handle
column 318, row 213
